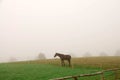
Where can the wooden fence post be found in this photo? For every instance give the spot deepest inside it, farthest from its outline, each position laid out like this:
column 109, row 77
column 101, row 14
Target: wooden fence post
column 116, row 74
column 102, row 75
column 75, row 78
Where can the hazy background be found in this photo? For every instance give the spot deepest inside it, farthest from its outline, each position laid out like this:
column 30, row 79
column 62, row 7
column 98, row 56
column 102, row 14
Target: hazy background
column 28, row 27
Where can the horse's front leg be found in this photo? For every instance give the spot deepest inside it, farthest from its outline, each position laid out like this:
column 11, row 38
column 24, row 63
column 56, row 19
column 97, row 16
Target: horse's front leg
column 62, row 63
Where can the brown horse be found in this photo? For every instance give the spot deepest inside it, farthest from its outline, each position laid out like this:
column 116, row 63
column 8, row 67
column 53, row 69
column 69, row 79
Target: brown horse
column 64, row 57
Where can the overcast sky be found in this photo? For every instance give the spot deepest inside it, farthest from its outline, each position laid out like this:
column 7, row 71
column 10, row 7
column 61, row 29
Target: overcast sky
column 28, row 27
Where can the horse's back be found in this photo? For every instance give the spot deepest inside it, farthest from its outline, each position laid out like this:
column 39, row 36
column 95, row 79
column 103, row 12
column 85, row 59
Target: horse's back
column 67, row 57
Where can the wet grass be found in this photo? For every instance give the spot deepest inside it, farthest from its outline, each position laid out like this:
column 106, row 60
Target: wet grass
column 49, row 69
column 38, row 71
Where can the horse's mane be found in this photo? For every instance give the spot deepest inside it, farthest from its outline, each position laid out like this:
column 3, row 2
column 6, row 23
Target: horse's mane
column 60, row 54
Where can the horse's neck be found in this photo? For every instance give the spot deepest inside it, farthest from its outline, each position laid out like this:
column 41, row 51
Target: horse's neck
column 60, row 55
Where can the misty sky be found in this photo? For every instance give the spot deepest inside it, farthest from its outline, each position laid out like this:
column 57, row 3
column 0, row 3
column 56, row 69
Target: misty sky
column 28, row 27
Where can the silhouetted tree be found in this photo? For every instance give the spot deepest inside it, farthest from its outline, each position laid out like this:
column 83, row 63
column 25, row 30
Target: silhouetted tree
column 13, row 59
column 41, row 56
column 103, row 54
column 117, row 53
column 87, row 54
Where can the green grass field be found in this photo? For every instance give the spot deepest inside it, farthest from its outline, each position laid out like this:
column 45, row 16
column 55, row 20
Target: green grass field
column 49, row 69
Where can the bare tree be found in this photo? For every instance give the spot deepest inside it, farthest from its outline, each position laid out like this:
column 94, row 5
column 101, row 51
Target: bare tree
column 12, row 59
column 103, row 54
column 117, row 53
column 87, row 54
column 41, row 56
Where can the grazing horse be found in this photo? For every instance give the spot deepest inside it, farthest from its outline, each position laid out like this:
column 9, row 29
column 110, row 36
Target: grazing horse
column 64, row 57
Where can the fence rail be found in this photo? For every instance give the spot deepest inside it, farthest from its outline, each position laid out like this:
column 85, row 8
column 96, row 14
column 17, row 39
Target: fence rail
column 101, row 73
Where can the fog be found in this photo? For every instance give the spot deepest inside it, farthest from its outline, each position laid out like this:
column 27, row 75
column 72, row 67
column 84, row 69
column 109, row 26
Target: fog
column 29, row 27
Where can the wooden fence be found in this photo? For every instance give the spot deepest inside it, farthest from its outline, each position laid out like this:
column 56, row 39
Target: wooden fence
column 101, row 73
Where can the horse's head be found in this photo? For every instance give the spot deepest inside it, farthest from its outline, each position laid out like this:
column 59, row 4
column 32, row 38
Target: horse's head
column 55, row 54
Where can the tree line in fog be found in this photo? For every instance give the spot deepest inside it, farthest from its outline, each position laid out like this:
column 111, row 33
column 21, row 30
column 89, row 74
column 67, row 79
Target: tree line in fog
column 42, row 56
